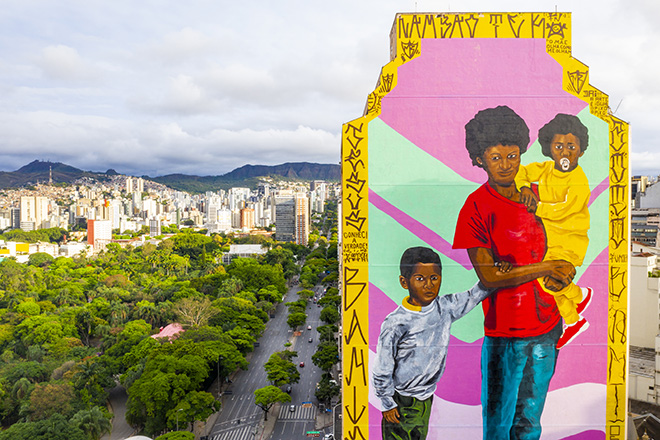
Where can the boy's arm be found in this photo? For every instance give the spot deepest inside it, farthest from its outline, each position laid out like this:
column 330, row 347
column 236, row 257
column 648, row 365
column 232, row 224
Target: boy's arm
column 385, row 363
column 459, row 304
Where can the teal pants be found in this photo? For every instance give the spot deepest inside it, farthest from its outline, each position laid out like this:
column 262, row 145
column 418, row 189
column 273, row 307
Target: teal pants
column 414, row 421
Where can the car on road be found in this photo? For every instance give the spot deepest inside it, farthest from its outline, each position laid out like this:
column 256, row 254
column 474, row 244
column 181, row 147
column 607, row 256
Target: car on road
column 302, row 364
column 309, row 340
column 292, row 408
column 329, row 437
column 288, row 389
column 309, row 327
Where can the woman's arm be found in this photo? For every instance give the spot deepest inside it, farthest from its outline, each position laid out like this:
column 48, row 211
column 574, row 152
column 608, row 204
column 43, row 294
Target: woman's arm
column 491, row 277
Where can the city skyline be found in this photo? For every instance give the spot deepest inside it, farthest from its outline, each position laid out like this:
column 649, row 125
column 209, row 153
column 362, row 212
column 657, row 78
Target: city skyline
column 206, row 87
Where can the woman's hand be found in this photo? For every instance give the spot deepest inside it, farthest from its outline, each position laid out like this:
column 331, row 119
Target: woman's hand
column 493, row 276
column 392, row 415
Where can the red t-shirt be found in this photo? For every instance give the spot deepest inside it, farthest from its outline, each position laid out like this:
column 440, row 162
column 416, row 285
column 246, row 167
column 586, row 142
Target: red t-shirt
column 492, row 221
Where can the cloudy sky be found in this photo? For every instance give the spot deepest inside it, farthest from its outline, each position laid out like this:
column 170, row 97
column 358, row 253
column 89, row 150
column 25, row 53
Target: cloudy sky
column 206, row 86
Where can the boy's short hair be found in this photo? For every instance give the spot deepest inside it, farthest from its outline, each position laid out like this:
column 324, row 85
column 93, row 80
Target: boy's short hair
column 495, row 126
column 418, row 254
column 563, row 124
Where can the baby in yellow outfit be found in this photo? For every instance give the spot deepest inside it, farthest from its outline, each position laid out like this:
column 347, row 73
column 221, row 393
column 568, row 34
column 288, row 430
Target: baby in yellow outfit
column 562, row 203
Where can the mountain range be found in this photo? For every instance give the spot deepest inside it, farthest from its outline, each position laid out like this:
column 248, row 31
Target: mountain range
column 245, row 176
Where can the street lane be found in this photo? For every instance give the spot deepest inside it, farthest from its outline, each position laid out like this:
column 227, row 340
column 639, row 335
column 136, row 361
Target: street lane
column 291, row 425
column 238, row 398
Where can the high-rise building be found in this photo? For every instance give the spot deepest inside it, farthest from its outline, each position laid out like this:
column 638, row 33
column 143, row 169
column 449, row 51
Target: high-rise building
column 224, row 219
column 154, row 227
column 15, row 218
column 34, row 211
column 212, row 207
column 238, row 197
column 302, row 218
column 285, row 216
column 247, row 218
column 99, row 233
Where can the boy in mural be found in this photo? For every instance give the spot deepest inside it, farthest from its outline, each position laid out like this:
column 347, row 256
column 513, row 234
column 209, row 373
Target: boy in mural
column 562, row 204
column 412, row 346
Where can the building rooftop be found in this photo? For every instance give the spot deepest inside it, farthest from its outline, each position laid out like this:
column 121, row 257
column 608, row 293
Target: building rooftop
column 642, row 361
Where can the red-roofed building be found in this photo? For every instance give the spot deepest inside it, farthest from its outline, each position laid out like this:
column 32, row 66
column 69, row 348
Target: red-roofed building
column 170, row 331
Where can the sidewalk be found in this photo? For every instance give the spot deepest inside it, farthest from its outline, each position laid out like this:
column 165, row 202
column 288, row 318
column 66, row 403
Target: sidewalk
column 265, row 428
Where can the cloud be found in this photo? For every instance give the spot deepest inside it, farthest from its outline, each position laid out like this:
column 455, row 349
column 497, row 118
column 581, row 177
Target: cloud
column 97, row 143
column 64, row 63
column 184, row 45
column 205, row 86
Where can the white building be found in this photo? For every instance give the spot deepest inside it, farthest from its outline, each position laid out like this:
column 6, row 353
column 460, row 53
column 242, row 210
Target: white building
column 644, row 297
column 644, row 325
column 244, row 251
column 73, row 248
column 154, row 227
column 99, row 233
column 34, row 211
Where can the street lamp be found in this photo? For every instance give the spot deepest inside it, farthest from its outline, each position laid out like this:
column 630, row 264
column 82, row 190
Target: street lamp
column 218, row 380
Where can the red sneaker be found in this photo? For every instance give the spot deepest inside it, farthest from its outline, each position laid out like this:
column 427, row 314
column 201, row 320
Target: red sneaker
column 571, row 332
column 587, row 293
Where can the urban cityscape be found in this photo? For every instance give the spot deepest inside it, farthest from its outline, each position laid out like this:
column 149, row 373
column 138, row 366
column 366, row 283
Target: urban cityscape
column 131, row 309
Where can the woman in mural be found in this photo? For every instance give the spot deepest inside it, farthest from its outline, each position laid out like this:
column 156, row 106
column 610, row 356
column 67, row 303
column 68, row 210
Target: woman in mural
column 521, row 322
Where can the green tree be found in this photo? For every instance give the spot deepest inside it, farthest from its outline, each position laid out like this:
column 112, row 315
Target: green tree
column 29, row 307
column 327, row 332
column 40, row 259
column 51, row 398
column 306, row 294
column 165, row 381
column 267, row 396
column 146, row 310
column 327, row 389
column 196, row 405
column 194, row 312
column 280, row 370
column 330, row 300
column 283, row 257
column 330, row 315
column 93, row 422
column 326, row 355
column 270, row 294
column 256, row 276
column 136, row 328
column 331, row 278
column 85, row 324
column 296, row 319
column 57, row 427
column 297, row 306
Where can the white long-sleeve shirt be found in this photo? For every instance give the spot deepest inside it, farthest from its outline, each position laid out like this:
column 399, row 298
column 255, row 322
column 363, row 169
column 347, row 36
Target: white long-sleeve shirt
column 412, row 346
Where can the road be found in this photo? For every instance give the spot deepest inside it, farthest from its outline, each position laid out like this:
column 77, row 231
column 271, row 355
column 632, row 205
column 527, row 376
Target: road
column 295, row 424
column 239, row 417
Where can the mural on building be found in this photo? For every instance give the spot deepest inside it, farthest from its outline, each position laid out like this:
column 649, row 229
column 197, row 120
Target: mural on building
column 484, row 238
